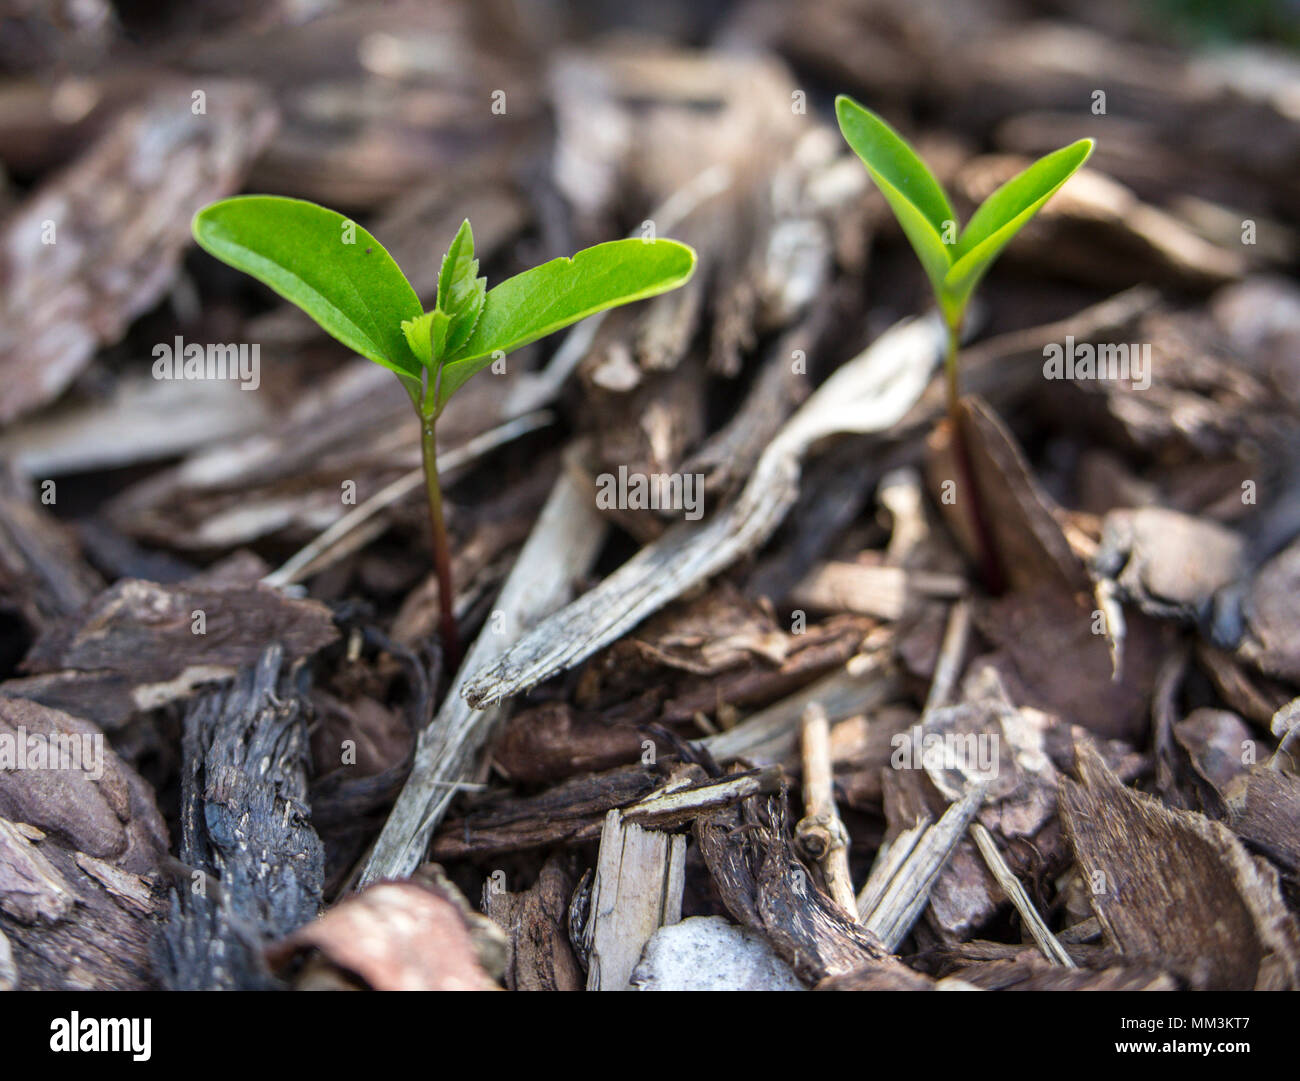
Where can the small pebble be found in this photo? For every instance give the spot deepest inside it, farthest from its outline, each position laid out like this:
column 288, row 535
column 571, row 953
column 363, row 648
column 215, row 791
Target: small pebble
column 707, row 953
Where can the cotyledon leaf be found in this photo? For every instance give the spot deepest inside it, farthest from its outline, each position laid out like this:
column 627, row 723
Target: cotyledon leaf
column 914, row 195
column 925, row 213
column 1005, row 212
column 324, row 263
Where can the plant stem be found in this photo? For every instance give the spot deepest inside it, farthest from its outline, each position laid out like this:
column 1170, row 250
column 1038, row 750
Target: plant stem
column 441, row 549
column 950, row 369
column 990, row 568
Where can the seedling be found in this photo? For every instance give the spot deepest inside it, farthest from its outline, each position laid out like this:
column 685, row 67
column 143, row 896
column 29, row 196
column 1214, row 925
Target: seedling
column 343, row 278
column 954, row 259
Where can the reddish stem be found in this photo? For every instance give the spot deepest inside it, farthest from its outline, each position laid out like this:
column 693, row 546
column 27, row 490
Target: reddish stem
column 986, row 547
column 441, row 549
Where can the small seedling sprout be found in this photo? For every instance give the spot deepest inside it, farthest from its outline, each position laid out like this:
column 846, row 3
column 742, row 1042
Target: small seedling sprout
column 343, row 278
column 953, row 260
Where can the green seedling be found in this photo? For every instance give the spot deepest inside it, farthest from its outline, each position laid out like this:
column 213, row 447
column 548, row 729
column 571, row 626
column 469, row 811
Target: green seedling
column 343, row 278
column 954, row 258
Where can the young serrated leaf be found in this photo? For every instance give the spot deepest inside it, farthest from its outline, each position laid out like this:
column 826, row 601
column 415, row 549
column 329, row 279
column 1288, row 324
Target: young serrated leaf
column 324, row 263
column 461, row 325
column 460, row 291
column 427, row 335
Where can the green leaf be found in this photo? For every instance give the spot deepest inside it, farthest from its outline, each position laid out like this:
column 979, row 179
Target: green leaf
column 331, row 268
column 923, row 209
column 557, row 294
column 1004, row 213
column 915, row 196
column 460, row 291
column 426, row 335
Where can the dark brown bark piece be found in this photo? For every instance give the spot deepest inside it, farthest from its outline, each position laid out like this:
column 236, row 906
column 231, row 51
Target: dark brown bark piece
column 43, row 576
column 135, row 647
column 1175, row 890
column 245, row 831
column 887, row 976
column 1024, row 522
column 1217, row 743
column 574, row 812
column 549, row 743
column 1034, row 630
column 1272, row 611
column 1032, row 972
column 78, row 853
column 766, row 887
column 1264, row 811
column 535, row 921
column 569, row 812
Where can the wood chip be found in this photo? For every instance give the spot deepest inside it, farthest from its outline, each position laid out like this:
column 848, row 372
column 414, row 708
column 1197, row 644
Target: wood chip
column 1173, row 889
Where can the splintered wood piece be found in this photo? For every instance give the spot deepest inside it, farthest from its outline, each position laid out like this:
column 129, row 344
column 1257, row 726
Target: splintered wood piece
column 821, row 833
column 952, row 655
column 675, row 804
column 564, row 542
column 890, row 857
column 258, row 865
column 535, row 389
column 539, row 956
column 867, row 394
column 1175, row 890
column 1015, row 892
column 729, row 453
column 135, row 424
column 640, row 876
column 572, row 811
column 904, row 899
